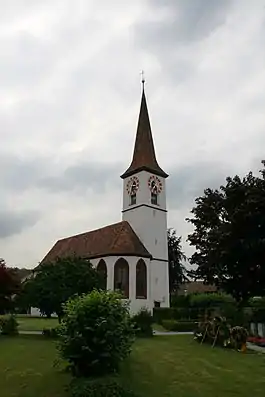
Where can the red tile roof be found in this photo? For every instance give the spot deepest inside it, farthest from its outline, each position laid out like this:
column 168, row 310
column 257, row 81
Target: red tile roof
column 117, row 239
column 144, row 157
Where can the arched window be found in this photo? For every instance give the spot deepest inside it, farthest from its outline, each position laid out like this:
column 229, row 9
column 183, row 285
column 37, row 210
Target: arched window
column 121, row 277
column 102, row 268
column 141, row 280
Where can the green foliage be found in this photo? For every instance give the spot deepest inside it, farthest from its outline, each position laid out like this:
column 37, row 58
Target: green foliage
column 162, row 313
column 257, row 310
column 8, row 325
column 51, row 332
column 54, row 283
column 177, row 271
column 99, row 387
column 229, row 237
column 9, row 285
column 205, row 301
column 96, row 333
column 143, row 321
column 181, row 301
column 179, row 326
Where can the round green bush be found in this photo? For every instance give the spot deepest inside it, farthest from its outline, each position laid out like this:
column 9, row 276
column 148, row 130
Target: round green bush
column 96, row 333
column 8, row 325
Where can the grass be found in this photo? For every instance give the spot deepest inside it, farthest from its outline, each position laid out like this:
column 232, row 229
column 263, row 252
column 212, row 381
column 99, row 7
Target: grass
column 35, row 323
column 159, row 327
column 27, row 368
column 167, row 366
column 178, row 366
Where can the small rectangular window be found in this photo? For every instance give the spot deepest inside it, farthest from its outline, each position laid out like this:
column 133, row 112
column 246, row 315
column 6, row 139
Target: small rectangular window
column 154, row 198
column 133, row 199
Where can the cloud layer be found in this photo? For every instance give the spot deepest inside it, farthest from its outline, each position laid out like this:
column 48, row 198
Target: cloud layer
column 70, row 94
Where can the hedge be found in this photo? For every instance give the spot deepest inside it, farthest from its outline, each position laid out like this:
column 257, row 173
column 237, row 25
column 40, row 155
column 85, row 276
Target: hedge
column 196, row 305
column 179, row 326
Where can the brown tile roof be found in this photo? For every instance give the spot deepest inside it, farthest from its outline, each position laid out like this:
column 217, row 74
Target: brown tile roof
column 194, row 287
column 117, row 239
column 144, row 157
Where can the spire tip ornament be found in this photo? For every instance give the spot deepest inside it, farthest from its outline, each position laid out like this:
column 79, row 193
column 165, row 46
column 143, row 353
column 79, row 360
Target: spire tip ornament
column 142, row 77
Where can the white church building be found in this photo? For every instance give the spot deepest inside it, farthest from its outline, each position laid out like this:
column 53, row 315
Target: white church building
column 133, row 253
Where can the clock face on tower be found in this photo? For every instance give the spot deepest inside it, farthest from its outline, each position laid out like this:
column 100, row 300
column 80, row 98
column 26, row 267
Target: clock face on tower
column 132, row 185
column 155, row 185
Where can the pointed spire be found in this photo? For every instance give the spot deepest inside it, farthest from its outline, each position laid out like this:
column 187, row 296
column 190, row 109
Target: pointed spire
column 144, row 157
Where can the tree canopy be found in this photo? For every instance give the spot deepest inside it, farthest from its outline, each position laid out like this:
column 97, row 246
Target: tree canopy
column 177, row 270
column 229, row 236
column 9, row 285
column 52, row 284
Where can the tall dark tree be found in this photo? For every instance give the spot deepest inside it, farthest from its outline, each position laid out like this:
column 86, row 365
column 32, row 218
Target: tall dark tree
column 177, row 270
column 9, row 286
column 52, row 284
column 229, row 236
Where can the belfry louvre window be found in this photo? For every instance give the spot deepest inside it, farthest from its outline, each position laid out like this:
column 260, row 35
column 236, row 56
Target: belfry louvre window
column 154, row 198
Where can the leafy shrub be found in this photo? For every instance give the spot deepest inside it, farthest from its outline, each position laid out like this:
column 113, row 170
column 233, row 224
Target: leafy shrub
column 50, row 332
column 206, row 301
column 142, row 322
column 180, row 301
column 8, row 325
column 96, row 333
column 162, row 313
column 179, row 326
column 99, row 387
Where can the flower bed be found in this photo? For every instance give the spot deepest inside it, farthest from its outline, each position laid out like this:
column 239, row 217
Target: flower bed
column 257, row 340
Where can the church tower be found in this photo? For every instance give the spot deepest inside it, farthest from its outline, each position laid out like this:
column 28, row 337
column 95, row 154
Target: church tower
column 145, row 208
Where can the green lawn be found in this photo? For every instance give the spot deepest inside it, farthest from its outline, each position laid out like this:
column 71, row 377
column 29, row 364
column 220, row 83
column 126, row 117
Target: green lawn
column 168, row 366
column 35, row 323
column 158, row 327
column 27, row 368
column 177, row 366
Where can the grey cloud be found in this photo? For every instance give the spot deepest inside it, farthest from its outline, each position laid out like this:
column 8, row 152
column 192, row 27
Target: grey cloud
column 35, row 61
column 189, row 21
column 81, row 177
column 171, row 39
column 189, row 181
column 18, row 174
column 12, row 222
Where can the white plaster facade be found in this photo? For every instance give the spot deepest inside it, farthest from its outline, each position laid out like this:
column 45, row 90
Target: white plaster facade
column 135, row 304
column 150, row 224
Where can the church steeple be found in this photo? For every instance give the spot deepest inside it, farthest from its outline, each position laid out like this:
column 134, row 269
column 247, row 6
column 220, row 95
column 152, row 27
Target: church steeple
column 144, row 158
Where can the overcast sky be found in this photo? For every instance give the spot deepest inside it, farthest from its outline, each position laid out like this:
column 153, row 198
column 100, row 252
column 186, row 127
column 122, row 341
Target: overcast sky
column 70, row 96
